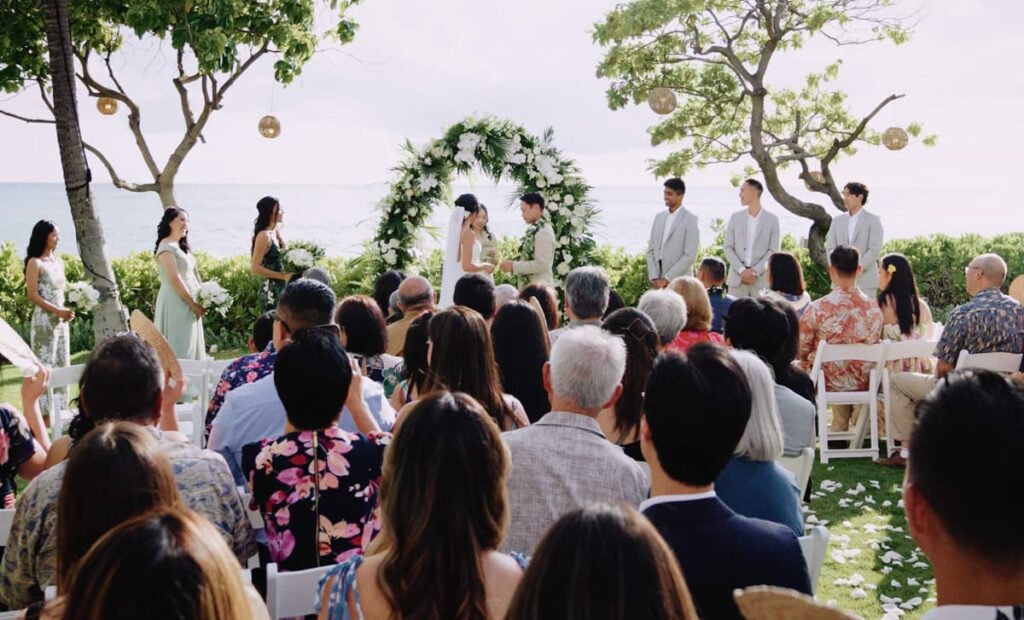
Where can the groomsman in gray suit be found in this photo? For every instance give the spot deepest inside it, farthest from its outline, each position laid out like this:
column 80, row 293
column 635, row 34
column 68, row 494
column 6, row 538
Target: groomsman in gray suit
column 674, row 238
column 750, row 238
column 862, row 230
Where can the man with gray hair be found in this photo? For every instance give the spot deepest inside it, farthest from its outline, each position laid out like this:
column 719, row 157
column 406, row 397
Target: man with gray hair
column 586, row 299
column 415, row 296
column 990, row 322
column 563, row 460
column 668, row 311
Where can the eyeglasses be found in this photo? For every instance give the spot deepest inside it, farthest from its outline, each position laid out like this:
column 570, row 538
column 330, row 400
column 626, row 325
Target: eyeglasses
column 968, row 268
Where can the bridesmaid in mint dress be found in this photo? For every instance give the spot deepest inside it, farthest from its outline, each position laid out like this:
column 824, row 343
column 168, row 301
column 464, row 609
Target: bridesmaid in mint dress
column 179, row 317
column 266, row 249
column 49, row 330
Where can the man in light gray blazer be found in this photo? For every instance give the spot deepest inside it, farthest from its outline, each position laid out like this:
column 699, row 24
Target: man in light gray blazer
column 674, row 238
column 537, row 266
column 751, row 236
column 862, row 230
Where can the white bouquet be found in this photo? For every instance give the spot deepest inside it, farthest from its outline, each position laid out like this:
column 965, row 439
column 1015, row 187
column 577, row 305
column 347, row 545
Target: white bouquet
column 212, row 296
column 301, row 255
column 300, row 258
column 82, row 296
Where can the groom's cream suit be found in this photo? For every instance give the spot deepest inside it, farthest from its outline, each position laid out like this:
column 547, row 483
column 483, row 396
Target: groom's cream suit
column 539, row 267
column 867, row 237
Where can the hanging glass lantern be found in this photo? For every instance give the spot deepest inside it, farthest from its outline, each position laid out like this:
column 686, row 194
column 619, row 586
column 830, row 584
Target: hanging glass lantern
column 106, row 105
column 270, row 127
column 662, row 100
column 895, row 138
column 817, row 177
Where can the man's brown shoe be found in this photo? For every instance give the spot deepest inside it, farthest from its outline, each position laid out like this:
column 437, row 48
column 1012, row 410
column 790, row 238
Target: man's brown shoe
column 894, row 460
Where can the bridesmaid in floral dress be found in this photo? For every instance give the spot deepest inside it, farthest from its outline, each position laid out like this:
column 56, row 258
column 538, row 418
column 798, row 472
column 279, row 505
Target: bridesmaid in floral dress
column 45, row 285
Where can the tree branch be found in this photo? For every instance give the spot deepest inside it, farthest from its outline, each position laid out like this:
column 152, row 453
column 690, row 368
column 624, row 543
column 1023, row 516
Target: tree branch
column 117, row 180
column 26, row 118
column 179, row 85
column 838, row 145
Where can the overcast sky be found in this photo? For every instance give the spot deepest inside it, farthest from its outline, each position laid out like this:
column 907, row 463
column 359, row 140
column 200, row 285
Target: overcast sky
column 416, row 67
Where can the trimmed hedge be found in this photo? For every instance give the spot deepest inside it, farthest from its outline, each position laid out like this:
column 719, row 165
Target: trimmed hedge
column 938, row 262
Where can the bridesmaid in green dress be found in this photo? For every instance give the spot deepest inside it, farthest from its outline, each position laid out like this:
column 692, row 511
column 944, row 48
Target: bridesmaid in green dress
column 179, row 317
column 49, row 331
column 266, row 248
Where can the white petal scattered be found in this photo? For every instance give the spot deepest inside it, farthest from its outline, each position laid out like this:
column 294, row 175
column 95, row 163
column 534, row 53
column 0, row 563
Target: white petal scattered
column 912, row 582
column 847, row 523
column 921, row 565
column 886, row 503
column 858, row 593
column 856, row 579
column 838, row 557
column 912, row 603
column 886, row 570
column 895, row 584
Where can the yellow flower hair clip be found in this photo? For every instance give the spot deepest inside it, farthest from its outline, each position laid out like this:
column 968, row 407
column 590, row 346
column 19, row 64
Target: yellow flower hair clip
column 891, row 269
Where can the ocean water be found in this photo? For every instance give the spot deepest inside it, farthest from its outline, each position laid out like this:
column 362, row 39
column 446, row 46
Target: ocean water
column 343, row 217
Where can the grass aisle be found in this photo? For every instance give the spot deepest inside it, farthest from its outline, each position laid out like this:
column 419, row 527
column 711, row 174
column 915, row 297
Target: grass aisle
column 872, row 567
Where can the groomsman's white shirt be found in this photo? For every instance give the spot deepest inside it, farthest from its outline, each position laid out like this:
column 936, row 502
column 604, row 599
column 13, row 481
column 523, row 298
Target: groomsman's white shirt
column 749, row 242
column 864, row 232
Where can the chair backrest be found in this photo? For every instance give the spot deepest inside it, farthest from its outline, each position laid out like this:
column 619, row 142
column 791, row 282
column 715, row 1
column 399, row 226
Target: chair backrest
column 65, row 376
column 845, row 352
column 255, row 517
column 936, row 331
column 909, row 349
column 770, row 603
column 6, row 521
column 999, row 362
column 801, row 467
column 217, row 368
column 814, row 545
column 293, row 593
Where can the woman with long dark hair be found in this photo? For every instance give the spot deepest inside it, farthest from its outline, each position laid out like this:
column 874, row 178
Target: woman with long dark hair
column 45, row 285
column 786, row 282
column 488, row 242
column 462, row 359
column 444, row 513
column 266, row 247
column 178, row 315
column 548, row 300
column 621, row 423
column 521, row 349
column 462, row 249
column 365, row 336
column 604, row 563
column 386, row 284
column 905, row 316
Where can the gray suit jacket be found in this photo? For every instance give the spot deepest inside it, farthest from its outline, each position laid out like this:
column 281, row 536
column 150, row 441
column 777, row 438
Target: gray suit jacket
column 765, row 242
column 675, row 257
column 539, row 267
column 868, row 239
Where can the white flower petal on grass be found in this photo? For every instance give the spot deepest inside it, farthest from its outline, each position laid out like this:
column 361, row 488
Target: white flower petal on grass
column 856, row 579
column 912, row 603
column 838, row 557
column 870, row 586
column 912, row 582
column 895, row 584
column 858, row 593
column 921, row 565
column 847, row 523
column 886, row 570
column 886, row 504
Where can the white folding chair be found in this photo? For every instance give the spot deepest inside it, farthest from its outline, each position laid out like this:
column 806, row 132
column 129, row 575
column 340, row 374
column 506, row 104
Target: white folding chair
column 60, row 378
column 801, row 467
column 194, row 414
column 293, row 593
column 6, row 522
column 868, row 353
column 217, row 367
column 906, row 349
column 936, row 331
column 255, row 520
column 999, row 362
column 814, row 545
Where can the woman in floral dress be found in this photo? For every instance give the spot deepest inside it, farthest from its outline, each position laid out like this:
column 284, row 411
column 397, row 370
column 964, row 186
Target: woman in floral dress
column 45, row 285
column 905, row 315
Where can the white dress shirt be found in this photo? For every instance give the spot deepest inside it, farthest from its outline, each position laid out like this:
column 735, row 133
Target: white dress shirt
column 752, row 221
column 670, row 220
column 854, row 219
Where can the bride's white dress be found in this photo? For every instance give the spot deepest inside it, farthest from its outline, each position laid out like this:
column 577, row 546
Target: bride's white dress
column 452, row 270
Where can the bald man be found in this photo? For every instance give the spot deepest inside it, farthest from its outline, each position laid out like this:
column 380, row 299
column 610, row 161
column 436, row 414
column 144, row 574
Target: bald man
column 990, row 322
column 415, row 296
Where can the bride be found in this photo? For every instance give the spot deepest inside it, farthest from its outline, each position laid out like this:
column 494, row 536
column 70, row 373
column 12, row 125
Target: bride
column 462, row 249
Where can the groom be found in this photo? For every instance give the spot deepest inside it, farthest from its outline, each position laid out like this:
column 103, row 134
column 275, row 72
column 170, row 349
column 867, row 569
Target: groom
column 538, row 254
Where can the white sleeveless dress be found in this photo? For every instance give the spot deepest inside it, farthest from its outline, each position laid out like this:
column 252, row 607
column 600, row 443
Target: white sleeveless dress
column 452, row 274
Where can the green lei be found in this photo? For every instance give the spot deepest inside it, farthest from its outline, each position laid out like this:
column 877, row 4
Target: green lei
column 530, row 240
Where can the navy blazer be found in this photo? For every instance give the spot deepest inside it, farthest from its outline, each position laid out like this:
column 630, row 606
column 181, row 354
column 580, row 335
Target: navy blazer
column 720, row 551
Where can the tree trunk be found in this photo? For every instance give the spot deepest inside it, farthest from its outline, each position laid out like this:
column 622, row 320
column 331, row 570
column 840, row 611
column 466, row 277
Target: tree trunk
column 108, row 317
column 167, row 198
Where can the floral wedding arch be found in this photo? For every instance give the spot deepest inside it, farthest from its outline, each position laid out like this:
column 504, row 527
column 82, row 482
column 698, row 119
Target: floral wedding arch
column 500, row 149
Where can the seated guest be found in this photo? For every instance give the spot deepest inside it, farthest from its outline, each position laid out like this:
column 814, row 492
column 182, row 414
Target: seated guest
column 415, row 366
column 698, row 314
column 415, row 296
column 246, row 369
column 121, row 381
column 316, row 485
column 990, row 322
column 386, row 284
column 711, row 274
column 23, row 456
column 668, row 311
column 786, row 282
column 564, row 460
column 255, row 411
column 586, row 299
column 443, row 513
column 365, row 336
column 844, row 316
column 164, row 564
column 759, row 325
column 476, row 292
column 521, row 349
column 621, row 423
column 394, row 312
column 615, row 302
column 964, row 513
column 548, row 300
column 606, row 562
column 753, row 483
column 504, row 293
column 462, row 359
column 319, row 274
column 905, row 315
column 697, row 407
column 787, row 372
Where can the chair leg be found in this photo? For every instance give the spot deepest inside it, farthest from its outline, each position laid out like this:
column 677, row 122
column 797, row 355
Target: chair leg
column 823, row 430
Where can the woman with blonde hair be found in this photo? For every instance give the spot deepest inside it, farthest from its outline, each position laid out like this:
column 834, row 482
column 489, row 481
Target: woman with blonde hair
column 698, row 314
column 444, row 513
column 161, row 565
column 603, row 562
